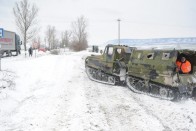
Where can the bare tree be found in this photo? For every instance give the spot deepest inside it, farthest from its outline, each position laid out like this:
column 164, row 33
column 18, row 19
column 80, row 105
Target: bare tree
column 79, row 31
column 51, row 37
column 26, row 19
column 65, row 38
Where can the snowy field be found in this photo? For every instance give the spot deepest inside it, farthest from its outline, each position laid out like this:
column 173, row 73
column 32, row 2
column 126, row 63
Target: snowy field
column 53, row 93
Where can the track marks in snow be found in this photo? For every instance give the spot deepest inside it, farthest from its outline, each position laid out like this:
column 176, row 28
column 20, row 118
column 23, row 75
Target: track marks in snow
column 172, row 115
column 119, row 110
column 95, row 112
column 149, row 112
column 82, row 113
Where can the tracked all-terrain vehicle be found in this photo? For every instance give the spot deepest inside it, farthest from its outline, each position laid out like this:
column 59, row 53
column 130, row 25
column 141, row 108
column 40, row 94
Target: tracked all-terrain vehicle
column 110, row 67
column 151, row 72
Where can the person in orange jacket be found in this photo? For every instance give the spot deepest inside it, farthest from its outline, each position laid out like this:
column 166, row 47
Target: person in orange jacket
column 183, row 66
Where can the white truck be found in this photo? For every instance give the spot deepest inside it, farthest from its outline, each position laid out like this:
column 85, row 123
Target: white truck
column 10, row 43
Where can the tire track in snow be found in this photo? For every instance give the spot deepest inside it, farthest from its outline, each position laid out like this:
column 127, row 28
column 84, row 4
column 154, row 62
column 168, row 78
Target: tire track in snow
column 96, row 114
column 118, row 114
column 94, row 118
column 74, row 111
column 173, row 115
column 149, row 112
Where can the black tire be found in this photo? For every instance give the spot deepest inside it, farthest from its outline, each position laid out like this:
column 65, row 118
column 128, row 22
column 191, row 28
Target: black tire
column 16, row 53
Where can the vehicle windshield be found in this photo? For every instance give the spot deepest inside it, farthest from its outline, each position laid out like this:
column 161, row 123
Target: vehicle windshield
column 128, row 50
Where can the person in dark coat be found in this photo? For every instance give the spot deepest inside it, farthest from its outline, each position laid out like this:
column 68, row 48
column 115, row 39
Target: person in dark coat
column 30, row 51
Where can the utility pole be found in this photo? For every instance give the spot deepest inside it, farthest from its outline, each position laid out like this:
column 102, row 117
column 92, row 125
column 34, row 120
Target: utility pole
column 118, row 31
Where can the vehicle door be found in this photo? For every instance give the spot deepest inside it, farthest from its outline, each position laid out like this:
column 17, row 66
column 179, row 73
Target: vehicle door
column 108, row 59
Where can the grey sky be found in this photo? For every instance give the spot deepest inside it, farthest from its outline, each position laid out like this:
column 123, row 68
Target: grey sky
column 140, row 18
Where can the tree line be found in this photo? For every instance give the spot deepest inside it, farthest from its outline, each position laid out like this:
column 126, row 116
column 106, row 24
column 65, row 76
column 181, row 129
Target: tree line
column 26, row 18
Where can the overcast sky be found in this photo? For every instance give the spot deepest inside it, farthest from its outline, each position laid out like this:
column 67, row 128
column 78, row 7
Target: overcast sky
column 139, row 18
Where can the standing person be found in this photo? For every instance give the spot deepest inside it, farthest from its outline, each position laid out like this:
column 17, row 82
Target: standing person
column 30, row 51
column 183, row 66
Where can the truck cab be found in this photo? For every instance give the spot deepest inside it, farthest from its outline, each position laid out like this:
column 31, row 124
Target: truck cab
column 112, row 62
column 111, row 57
column 116, row 57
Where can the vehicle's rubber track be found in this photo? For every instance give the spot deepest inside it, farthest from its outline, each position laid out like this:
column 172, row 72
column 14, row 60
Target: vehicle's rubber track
column 171, row 94
column 93, row 73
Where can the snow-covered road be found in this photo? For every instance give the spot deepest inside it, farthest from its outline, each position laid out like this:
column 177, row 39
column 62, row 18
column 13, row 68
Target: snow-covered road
column 52, row 93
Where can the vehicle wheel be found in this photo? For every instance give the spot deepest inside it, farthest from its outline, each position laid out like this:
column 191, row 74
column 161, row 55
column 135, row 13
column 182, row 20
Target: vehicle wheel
column 111, row 79
column 163, row 92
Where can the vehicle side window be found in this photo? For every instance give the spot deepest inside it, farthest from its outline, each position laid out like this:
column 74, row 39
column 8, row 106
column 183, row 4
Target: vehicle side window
column 150, row 56
column 139, row 56
column 118, row 51
column 165, row 56
column 110, row 51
